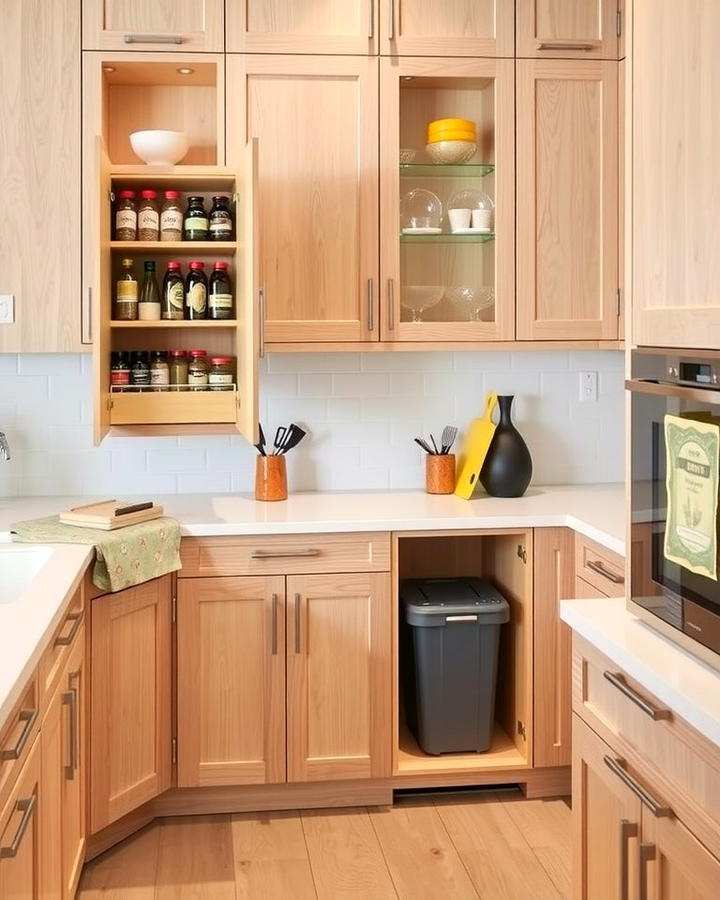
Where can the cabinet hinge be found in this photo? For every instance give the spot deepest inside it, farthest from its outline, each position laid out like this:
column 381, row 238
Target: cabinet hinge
column 109, row 404
column 618, row 23
column 111, row 196
column 521, row 729
column 174, row 751
column 618, row 297
column 173, row 610
column 522, row 553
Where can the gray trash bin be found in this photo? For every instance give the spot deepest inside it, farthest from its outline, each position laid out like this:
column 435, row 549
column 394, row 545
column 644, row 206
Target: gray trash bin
column 450, row 653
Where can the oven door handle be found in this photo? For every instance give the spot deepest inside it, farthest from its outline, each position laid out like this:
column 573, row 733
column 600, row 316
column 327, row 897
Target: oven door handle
column 698, row 395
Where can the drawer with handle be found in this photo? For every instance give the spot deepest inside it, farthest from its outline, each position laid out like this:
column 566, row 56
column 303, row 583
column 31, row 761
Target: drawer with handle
column 20, row 832
column 599, row 567
column 670, row 754
column 16, row 736
column 60, row 646
column 285, row 554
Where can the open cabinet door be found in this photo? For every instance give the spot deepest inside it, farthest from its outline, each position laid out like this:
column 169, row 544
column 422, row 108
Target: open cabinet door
column 101, row 300
column 247, row 289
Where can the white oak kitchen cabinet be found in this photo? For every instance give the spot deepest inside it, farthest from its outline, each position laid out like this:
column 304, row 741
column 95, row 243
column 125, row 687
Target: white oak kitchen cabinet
column 564, row 29
column 193, row 25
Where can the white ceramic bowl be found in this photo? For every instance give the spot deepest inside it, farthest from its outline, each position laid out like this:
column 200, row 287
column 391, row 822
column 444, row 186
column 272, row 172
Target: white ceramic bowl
column 159, row 148
column 451, row 152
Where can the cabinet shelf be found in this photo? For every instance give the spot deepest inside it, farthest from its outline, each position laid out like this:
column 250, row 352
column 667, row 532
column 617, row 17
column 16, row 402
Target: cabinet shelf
column 177, row 248
column 438, row 170
column 171, row 408
column 446, row 238
column 178, row 323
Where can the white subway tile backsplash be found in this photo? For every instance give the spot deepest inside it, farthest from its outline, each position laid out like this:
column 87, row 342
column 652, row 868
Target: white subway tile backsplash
column 362, row 412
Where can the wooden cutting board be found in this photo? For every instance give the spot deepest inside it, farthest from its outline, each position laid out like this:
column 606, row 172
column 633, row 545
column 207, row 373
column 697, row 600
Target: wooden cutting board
column 475, row 449
column 108, row 514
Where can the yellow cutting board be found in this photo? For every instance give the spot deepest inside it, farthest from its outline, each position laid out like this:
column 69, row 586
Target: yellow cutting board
column 475, row 448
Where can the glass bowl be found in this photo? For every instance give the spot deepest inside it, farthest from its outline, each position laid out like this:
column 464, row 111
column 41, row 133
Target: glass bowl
column 421, row 212
column 419, row 297
column 451, row 152
column 471, row 301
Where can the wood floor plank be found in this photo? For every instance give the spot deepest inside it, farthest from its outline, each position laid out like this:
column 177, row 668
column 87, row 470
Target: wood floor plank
column 423, row 862
column 195, row 859
column 127, row 872
column 345, row 855
column 500, row 862
column 271, row 857
column 546, row 826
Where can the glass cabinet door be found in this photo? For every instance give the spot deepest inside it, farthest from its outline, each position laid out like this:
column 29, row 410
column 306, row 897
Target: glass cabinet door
column 447, row 200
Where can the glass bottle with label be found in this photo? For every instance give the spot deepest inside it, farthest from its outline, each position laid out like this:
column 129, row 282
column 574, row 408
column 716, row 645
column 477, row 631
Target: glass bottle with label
column 171, row 217
column 198, row 370
column 159, row 371
column 119, row 370
column 125, row 308
column 220, row 220
column 140, row 370
column 148, row 217
column 196, row 220
column 173, row 293
column 196, row 288
column 126, row 217
column 149, row 303
column 178, row 370
column 220, row 299
column 220, row 376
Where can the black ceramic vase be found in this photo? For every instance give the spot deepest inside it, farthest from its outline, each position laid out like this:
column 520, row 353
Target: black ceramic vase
column 507, row 469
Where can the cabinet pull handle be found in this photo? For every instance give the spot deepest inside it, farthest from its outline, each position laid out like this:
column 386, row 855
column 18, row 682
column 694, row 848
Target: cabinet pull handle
column 391, row 304
column 617, row 767
column 298, row 601
column 65, row 640
column 371, row 23
column 261, row 316
column 28, row 716
column 627, row 830
column 562, row 45
column 286, row 554
column 597, row 566
column 273, row 643
column 86, row 317
column 154, row 39
column 370, row 305
column 69, row 699
column 391, row 20
column 26, row 807
column 618, row 681
column 647, row 853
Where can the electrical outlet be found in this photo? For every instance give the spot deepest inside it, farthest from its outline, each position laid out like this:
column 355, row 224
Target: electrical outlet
column 588, row 387
column 7, row 309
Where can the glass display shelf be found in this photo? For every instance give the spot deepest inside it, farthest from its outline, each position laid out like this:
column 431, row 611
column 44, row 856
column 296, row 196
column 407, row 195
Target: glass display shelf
column 438, row 170
column 482, row 238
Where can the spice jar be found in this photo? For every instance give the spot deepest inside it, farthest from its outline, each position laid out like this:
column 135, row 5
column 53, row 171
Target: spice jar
column 126, row 217
column 159, row 371
column 173, row 293
column 125, row 307
column 171, row 217
column 196, row 287
column 220, row 299
column 220, row 375
column 196, row 220
column 178, row 369
column 148, row 218
column 119, row 370
column 220, row 220
column 198, row 370
column 140, row 370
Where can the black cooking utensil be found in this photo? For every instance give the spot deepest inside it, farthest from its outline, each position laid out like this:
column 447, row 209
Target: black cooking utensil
column 421, row 443
column 437, row 452
column 279, row 435
column 260, row 446
column 292, row 438
column 449, row 434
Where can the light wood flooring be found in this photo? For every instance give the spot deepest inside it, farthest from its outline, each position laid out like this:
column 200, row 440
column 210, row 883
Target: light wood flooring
column 497, row 846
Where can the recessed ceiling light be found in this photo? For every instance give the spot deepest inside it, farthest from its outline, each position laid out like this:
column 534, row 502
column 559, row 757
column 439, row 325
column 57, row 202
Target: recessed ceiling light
column 108, row 68
column 408, row 77
column 185, row 70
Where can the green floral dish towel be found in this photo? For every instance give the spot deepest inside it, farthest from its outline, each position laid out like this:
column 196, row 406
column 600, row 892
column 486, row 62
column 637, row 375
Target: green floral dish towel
column 123, row 557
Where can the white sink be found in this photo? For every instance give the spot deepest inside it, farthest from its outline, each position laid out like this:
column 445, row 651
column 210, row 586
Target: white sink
column 18, row 566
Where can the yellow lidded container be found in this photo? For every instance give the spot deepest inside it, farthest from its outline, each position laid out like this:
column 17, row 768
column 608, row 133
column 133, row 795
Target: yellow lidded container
column 452, row 136
column 451, row 125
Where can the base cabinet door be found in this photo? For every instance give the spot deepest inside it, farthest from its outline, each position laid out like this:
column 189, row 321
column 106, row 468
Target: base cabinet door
column 20, row 839
column 606, row 822
column 567, row 214
column 130, row 706
column 583, row 29
column 231, row 681
column 338, row 676
column 675, row 864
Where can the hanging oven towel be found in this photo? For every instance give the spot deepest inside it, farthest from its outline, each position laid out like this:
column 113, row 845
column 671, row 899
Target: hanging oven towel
column 123, row 558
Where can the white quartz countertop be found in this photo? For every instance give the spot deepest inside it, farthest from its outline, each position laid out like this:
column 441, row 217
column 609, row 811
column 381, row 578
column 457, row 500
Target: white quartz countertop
column 688, row 686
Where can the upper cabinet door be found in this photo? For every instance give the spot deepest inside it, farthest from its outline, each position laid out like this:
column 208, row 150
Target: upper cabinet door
column 196, row 25
column 676, row 190
column 567, row 211
column 40, row 174
column 317, row 124
column 302, row 26
column 447, row 28
column 581, row 29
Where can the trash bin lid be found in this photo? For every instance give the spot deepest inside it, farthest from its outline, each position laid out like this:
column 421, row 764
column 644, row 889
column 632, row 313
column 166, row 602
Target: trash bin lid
column 430, row 602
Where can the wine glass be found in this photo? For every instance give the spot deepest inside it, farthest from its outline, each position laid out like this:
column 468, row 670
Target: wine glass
column 472, row 301
column 417, row 298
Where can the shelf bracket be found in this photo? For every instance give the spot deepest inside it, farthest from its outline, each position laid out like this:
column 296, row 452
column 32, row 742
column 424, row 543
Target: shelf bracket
column 522, row 730
column 174, row 751
column 522, row 553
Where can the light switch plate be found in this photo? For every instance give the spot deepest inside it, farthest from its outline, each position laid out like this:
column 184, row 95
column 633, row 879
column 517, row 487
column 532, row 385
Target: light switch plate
column 588, row 387
column 7, row 309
